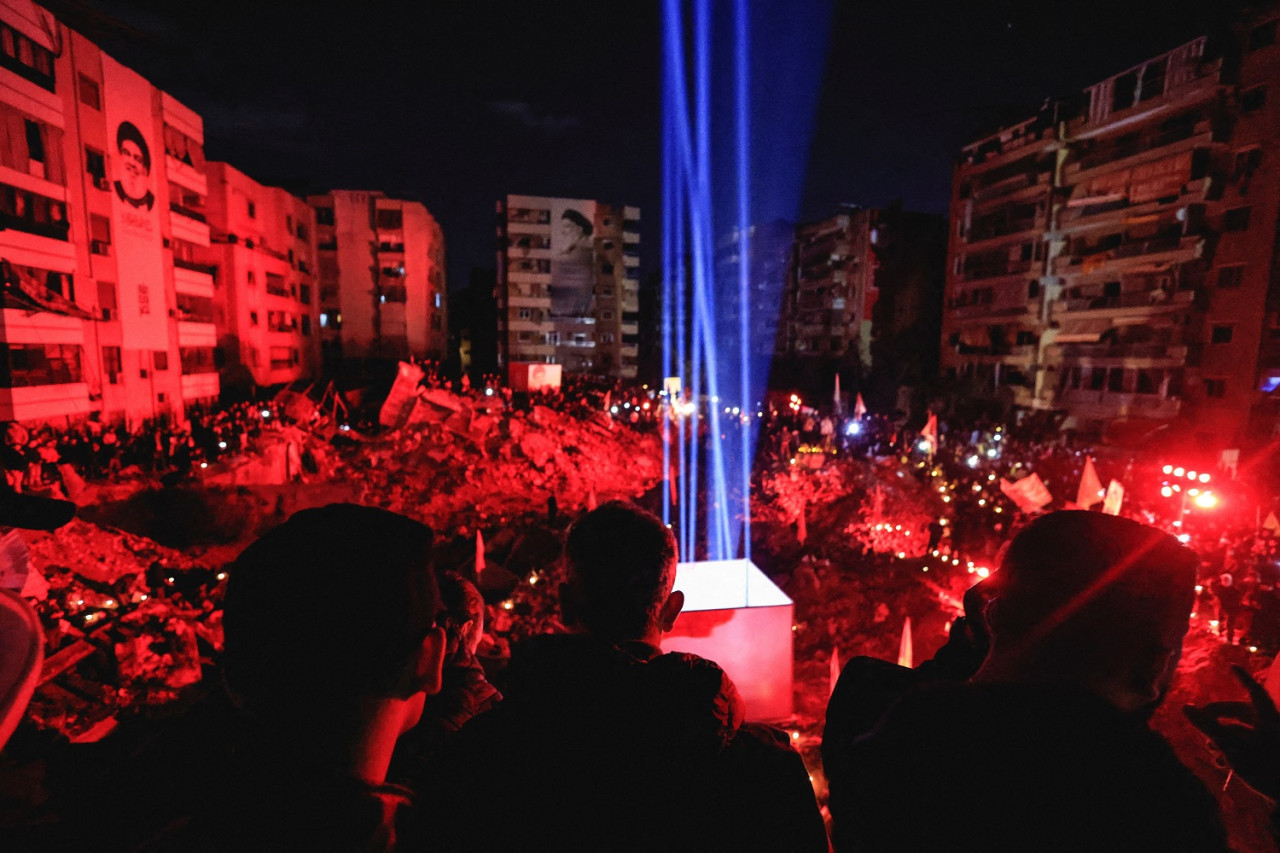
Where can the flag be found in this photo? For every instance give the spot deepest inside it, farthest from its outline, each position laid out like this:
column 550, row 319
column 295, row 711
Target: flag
column 930, row 433
column 802, row 528
column 833, row 672
column 592, row 502
column 836, row 395
column 1030, row 493
column 859, row 408
column 479, row 553
column 1090, row 486
column 1272, row 523
column 1115, row 497
column 904, row 648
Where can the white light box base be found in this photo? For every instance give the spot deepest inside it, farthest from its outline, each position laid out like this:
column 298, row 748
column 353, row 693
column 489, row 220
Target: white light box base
column 734, row 615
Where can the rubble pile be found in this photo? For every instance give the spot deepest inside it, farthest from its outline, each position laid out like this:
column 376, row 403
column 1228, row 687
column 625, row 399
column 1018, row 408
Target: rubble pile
column 460, row 461
column 129, row 624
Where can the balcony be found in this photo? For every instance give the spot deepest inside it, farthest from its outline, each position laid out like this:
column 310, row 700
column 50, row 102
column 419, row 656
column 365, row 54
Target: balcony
column 52, row 230
column 1127, row 304
column 1108, row 404
column 183, row 264
column 978, row 272
column 1161, row 249
column 189, row 212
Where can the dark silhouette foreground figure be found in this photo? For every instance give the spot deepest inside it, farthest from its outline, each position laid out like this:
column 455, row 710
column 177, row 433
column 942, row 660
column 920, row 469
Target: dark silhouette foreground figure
column 602, row 742
column 331, row 649
column 1046, row 748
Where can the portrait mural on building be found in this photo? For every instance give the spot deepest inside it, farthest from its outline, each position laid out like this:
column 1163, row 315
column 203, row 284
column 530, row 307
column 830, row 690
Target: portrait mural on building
column 572, row 259
column 133, row 181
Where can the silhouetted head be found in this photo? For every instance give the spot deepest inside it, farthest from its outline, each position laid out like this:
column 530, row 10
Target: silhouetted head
column 621, row 564
column 1094, row 600
column 463, row 616
column 334, row 607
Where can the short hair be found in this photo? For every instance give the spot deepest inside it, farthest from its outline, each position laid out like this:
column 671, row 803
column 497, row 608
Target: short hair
column 329, row 607
column 623, row 560
column 1087, row 582
column 578, row 219
column 128, row 132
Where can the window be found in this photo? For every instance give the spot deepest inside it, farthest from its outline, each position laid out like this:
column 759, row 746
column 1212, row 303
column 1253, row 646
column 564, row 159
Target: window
column 25, row 58
column 524, row 314
column 1253, row 99
column 390, row 218
column 251, row 278
column 288, row 222
column 95, row 164
column 29, row 211
column 24, row 365
column 144, row 299
column 606, row 315
column 160, row 359
column 1230, row 276
column 90, row 94
column 606, row 269
column 1247, row 162
column 1033, row 289
column 1097, row 378
column 1152, row 80
column 1237, row 219
column 1115, row 380
column 306, row 324
column 324, row 216
column 1215, row 388
column 107, row 299
column 304, row 294
column 197, row 360
column 253, row 210
column 35, row 141
column 1124, row 91
column 99, row 234
column 1263, row 35
column 112, row 364
column 1221, row 334
column 253, row 318
column 1146, row 382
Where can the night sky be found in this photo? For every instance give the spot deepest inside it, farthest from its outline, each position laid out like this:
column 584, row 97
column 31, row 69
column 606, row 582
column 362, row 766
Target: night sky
column 459, row 103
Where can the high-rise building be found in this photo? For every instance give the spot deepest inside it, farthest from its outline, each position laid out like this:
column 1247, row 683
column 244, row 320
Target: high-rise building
column 1111, row 257
column 267, row 309
column 381, row 276
column 101, row 203
column 568, row 289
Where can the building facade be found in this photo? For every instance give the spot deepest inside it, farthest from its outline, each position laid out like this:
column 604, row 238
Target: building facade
column 101, row 198
column 381, row 277
column 1111, row 258
column 568, row 287
column 267, row 309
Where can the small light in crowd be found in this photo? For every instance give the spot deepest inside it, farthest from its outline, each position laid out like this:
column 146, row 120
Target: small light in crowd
column 924, row 568
column 853, row 428
column 977, row 488
column 170, row 580
column 1199, row 589
column 795, row 736
column 1213, row 623
column 1191, row 475
column 973, row 461
column 533, row 580
column 935, row 553
column 109, row 603
column 996, row 437
column 221, row 576
column 1168, row 469
column 266, row 413
column 902, row 555
column 991, row 477
column 204, row 464
column 793, row 461
column 508, row 604
column 1178, row 472
column 982, row 502
column 969, row 570
column 1204, row 478
column 1193, row 492
column 923, row 445
column 1184, row 538
column 1206, row 500
column 991, row 454
column 1177, row 488
column 222, row 445
column 143, row 597
column 999, row 509
column 345, row 427
column 488, row 392
column 613, row 410
column 970, row 564
column 1253, row 650
column 983, row 572
column 942, row 522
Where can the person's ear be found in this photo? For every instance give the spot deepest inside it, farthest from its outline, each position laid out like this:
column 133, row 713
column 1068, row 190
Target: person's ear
column 670, row 610
column 429, row 665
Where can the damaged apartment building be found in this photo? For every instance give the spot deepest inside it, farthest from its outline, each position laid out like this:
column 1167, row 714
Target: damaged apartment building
column 1111, row 258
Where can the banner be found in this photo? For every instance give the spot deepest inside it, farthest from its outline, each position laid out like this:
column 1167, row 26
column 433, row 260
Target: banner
column 1090, row 486
column 1115, row 497
column 573, row 264
column 1030, row 493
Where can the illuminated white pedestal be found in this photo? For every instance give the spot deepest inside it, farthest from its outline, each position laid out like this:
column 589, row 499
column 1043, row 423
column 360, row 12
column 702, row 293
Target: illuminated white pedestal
column 734, row 615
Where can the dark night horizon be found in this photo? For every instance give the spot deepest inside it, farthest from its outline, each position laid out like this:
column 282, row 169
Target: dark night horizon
column 460, row 104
